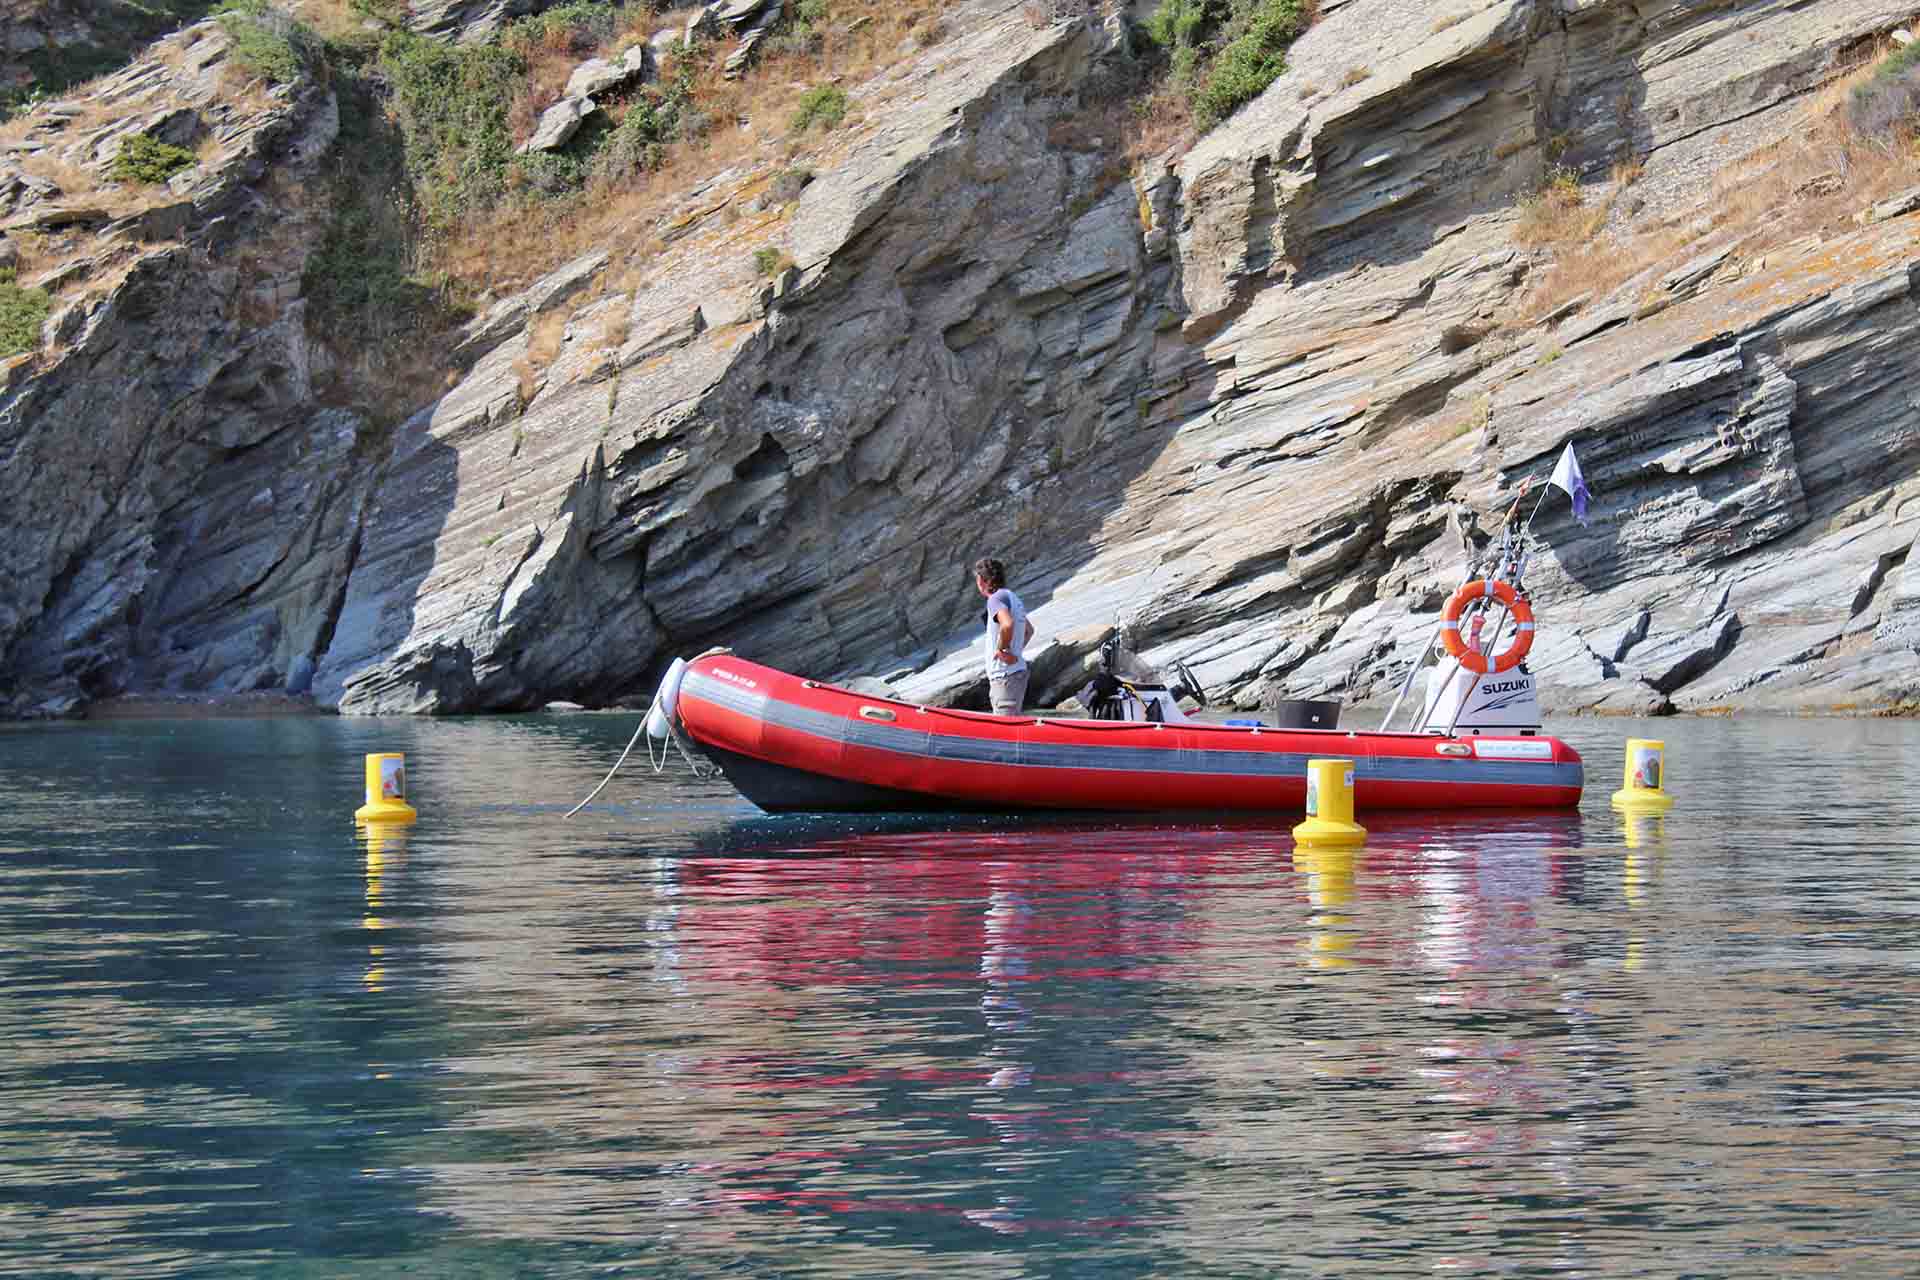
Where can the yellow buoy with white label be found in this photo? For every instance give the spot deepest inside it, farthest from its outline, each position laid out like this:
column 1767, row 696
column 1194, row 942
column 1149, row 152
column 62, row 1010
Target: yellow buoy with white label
column 386, row 790
column 1644, row 784
column 1330, row 805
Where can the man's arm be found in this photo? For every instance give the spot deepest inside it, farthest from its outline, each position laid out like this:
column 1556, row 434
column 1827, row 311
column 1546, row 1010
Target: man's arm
column 1004, row 616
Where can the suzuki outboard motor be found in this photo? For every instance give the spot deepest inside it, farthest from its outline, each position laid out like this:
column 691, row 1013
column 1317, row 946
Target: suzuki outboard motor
column 1500, row 703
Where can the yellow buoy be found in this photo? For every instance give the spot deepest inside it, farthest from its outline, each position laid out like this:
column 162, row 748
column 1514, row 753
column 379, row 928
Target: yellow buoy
column 1330, row 805
column 1646, row 777
column 386, row 790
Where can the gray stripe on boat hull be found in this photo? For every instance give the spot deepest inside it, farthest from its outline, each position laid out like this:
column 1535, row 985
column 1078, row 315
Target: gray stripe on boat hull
column 1217, row 762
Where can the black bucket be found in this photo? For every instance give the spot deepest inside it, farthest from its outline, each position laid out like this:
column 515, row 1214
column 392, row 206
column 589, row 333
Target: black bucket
column 1302, row 715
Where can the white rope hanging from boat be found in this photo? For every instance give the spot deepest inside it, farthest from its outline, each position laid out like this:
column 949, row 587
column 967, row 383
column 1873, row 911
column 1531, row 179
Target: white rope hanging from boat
column 616, row 768
column 659, row 765
column 679, row 743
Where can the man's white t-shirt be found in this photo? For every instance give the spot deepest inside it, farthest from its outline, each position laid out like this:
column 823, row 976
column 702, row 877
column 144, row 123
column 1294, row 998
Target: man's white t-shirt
column 996, row 667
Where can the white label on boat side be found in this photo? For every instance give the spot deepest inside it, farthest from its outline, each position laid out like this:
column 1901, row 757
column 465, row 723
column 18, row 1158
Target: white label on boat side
column 1522, row 750
column 731, row 678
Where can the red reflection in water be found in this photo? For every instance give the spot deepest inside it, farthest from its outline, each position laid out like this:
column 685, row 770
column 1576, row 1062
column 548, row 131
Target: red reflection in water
column 1000, row 915
column 929, row 909
column 906, row 910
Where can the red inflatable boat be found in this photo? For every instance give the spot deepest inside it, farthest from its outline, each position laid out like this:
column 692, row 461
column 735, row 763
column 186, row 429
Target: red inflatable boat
column 791, row 744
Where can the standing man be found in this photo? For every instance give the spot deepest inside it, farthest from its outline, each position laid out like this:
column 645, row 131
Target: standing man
column 1006, row 641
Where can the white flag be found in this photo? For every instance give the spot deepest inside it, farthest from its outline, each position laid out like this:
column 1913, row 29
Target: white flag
column 1567, row 476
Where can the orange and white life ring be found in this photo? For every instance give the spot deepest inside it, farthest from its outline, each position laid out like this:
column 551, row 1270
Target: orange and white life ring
column 1468, row 656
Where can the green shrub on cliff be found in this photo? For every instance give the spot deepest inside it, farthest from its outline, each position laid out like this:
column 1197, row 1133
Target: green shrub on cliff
column 386, row 13
column 1899, row 62
column 22, row 312
column 267, row 41
column 638, row 144
column 1225, row 53
column 1251, row 60
column 575, row 28
column 359, row 282
column 801, row 31
column 144, row 158
column 1178, row 26
column 455, row 105
column 1888, row 102
column 450, row 102
column 1177, row 23
column 366, row 290
column 824, row 105
column 19, row 100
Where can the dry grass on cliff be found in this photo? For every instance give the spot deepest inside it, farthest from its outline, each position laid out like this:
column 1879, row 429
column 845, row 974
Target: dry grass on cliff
column 1810, row 184
column 1561, row 212
column 1816, row 180
column 79, row 183
column 1135, row 128
column 748, row 117
column 509, row 247
column 544, row 341
column 35, row 253
column 1586, row 260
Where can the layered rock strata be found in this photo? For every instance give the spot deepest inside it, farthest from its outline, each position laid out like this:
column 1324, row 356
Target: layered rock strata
column 1257, row 403
column 183, row 512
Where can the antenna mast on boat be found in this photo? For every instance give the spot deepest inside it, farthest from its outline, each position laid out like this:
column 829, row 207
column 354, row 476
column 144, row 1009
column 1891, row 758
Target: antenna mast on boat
column 1506, row 567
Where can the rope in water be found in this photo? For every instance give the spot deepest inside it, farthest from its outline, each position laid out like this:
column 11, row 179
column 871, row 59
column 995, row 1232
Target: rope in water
column 616, row 768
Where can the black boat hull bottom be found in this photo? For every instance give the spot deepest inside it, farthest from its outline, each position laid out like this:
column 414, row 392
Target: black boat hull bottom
column 778, row 788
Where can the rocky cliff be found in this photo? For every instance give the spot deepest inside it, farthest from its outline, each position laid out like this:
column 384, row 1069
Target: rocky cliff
column 1254, row 398
column 182, row 511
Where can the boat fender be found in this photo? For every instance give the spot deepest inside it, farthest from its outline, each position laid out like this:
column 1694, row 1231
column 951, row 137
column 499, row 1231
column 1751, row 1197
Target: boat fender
column 666, row 701
column 1468, row 655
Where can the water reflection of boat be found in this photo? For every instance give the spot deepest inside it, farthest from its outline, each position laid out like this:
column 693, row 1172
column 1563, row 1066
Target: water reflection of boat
column 1024, row 1011
column 990, row 884
column 790, row 744
column 1027, row 836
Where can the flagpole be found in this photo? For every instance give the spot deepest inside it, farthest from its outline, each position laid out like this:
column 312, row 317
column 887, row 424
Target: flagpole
column 1544, row 490
column 1554, row 482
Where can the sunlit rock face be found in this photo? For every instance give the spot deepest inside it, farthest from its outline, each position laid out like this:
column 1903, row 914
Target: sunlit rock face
column 1259, row 402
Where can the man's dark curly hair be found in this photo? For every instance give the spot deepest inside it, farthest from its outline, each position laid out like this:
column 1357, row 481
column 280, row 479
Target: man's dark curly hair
column 991, row 571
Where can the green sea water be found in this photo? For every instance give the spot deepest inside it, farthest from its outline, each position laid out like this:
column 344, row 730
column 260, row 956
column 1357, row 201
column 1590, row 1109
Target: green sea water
column 671, row 1036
